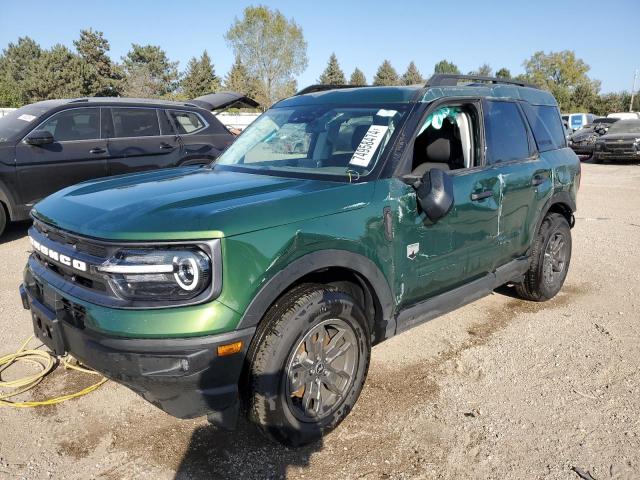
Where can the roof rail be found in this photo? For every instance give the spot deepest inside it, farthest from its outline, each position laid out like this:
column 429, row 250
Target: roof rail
column 79, row 100
column 323, row 87
column 451, row 80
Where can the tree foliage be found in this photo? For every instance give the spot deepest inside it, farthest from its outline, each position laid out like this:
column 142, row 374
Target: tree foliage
column 200, row 77
column 17, row 64
column 101, row 77
column 412, row 76
column 239, row 80
column 503, row 73
column 333, row 74
column 386, row 75
column 564, row 75
column 444, row 66
column 357, row 78
column 150, row 61
column 272, row 49
column 483, row 70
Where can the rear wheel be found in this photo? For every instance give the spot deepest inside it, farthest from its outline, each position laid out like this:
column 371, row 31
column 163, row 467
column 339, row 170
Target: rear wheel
column 550, row 258
column 308, row 364
column 3, row 218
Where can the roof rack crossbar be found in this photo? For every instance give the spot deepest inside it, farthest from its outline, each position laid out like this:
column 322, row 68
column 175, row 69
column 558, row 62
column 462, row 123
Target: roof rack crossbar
column 451, row 80
column 323, row 87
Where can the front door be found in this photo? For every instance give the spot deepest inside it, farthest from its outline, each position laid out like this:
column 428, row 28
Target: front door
column 77, row 154
column 139, row 140
column 431, row 258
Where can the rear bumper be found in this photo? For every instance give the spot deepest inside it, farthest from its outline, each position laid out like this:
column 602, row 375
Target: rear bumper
column 185, row 377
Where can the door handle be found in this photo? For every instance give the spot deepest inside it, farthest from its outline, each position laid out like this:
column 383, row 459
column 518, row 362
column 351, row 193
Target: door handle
column 97, row 150
column 481, row 195
column 166, row 146
column 538, row 179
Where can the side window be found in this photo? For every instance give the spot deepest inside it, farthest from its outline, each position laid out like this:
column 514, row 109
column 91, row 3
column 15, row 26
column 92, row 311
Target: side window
column 135, row 122
column 74, row 124
column 447, row 140
column 187, row 122
column 546, row 124
column 506, row 134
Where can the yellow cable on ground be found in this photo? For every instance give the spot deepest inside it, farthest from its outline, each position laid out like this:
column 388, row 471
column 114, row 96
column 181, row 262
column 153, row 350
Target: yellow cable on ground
column 47, row 363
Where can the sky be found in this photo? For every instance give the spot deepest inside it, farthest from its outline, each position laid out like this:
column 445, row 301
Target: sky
column 361, row 33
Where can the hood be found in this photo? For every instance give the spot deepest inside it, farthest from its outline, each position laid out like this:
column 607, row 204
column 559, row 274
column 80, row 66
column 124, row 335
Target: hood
column 619, row 136
column 582, row 134
column 222, row 100
column 194, row 203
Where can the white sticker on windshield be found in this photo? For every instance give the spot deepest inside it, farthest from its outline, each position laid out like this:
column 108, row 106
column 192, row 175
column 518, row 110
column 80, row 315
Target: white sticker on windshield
column 386, row 113
column 26, row 117
column 368, row 146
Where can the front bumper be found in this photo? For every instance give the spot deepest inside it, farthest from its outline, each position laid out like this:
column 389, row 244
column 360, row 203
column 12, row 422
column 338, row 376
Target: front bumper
column 185, row 377
column 620, row 155
column 583, row 149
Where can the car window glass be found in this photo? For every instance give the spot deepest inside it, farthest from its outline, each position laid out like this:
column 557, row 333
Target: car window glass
column 506, row 134
column 74, row 124
column 135, row 122
column 546, row 126
column 187, row 122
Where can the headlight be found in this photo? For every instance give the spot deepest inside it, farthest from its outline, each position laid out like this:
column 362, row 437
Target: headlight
column 140, row 274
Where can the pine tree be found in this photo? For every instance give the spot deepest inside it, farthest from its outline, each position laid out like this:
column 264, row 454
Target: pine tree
column 200, row 77
column 412, row 76
column 443, row 66
column 386, row 75
column 100, row 76
column 16, row 63
column 503, row 73
column 153, row 61
column 333, row 74
column 357, row 78
column 239, row 80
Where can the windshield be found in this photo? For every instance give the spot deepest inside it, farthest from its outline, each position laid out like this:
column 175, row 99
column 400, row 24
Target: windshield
column 331, row 140
column 14, row 122
column 625, row 126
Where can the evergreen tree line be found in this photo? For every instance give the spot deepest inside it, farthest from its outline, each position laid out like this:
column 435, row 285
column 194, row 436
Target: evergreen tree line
column 559, row 72
column 29, row 73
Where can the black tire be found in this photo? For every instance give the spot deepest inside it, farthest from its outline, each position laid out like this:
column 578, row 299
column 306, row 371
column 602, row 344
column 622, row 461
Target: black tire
column 299, row 313
column 548, row 269
column 3, row 218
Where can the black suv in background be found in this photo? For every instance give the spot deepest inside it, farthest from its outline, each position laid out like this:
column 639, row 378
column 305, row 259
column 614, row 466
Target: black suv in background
column 49, row 145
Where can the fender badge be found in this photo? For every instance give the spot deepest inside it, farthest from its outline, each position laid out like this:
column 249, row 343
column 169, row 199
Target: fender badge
column 412, row 251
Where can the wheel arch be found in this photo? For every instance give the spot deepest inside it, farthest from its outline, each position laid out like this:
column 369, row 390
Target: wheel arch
column 348, row 270
column 562, row 203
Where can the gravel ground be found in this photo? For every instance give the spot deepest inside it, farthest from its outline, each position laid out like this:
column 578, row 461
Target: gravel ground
column 499, row 389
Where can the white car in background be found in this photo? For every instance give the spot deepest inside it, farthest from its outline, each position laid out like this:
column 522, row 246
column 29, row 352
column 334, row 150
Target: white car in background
column 625, row 115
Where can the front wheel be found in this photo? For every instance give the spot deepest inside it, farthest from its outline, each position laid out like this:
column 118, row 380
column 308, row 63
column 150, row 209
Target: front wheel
column 308, row 364
column 550, row 258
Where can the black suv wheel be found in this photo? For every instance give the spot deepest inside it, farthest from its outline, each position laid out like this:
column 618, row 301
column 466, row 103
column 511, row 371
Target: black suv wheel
column 550, row 258
column 308, row 364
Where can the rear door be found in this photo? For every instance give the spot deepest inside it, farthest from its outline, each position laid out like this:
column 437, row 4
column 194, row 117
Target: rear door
column 77, row 154
column 524, row 176
column 140, row 138
column 202, row 136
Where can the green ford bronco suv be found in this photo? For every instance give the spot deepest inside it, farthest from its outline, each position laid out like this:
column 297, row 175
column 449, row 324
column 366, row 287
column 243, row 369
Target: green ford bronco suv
column 341, row 217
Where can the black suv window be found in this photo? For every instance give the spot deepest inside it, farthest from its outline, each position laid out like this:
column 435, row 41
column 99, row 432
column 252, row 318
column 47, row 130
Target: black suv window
column 135, row 122
column 74, row 124
column 187, row 122
column 506, row 134
column 546, row 125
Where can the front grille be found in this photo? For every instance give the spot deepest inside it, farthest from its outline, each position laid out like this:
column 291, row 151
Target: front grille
column 79, row 244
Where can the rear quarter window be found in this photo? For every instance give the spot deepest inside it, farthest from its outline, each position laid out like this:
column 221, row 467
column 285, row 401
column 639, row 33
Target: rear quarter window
column 546, row 124
column 187, row 122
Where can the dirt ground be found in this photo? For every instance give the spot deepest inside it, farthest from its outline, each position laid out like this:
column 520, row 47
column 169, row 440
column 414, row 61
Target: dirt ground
column 499, row 389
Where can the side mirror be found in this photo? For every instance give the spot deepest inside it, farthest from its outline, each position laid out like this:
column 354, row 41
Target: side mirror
column 39, row 137
column 435, row 193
